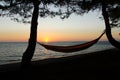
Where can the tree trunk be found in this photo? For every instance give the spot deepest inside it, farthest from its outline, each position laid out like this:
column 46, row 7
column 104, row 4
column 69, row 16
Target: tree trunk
column 108, row 28
column 28, row 54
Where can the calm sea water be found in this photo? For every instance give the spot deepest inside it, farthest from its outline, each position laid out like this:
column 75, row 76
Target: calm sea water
column 11, row 52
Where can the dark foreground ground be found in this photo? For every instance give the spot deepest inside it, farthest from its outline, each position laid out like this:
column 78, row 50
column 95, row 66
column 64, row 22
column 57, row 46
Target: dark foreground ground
column 102, row 65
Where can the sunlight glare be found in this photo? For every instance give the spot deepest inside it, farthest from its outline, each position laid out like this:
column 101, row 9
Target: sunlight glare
column 46, row 40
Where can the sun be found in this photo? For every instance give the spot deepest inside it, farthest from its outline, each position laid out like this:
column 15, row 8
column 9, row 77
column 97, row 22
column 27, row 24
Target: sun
column 46, row 40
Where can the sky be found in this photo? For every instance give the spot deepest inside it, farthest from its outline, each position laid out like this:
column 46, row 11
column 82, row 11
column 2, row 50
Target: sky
column 75, row 28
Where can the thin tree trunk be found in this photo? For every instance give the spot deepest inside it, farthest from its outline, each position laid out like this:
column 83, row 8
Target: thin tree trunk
column 28, row 54
column 108, row 28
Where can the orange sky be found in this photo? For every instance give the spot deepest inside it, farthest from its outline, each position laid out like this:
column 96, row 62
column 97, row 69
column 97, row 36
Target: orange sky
column 67, row 36
column 75, row 28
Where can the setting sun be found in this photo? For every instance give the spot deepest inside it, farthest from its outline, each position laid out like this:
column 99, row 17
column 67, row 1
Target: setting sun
column 46, row 40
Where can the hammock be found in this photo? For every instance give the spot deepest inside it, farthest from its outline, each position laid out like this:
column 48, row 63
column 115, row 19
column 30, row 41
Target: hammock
column 73, row 48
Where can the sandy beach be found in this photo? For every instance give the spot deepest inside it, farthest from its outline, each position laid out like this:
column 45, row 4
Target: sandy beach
column 101, row 65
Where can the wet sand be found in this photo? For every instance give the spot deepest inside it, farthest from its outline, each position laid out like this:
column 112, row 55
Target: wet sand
column 101, row 65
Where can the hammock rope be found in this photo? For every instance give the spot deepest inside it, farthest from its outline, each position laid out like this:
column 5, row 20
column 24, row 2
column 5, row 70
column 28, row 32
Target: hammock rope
column 73, row 48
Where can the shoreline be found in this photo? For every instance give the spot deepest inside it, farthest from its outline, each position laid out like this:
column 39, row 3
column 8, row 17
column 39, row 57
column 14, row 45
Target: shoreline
column 90, row 66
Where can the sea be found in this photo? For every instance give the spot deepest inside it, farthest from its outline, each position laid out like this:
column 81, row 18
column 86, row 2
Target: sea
column 11, row 52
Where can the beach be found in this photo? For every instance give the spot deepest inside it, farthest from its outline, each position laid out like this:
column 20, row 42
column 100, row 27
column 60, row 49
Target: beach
column 100, row 65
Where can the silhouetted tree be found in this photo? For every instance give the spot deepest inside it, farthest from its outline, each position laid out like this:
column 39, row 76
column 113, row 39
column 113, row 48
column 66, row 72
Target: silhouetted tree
column 115, row 22
column 110, row 11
